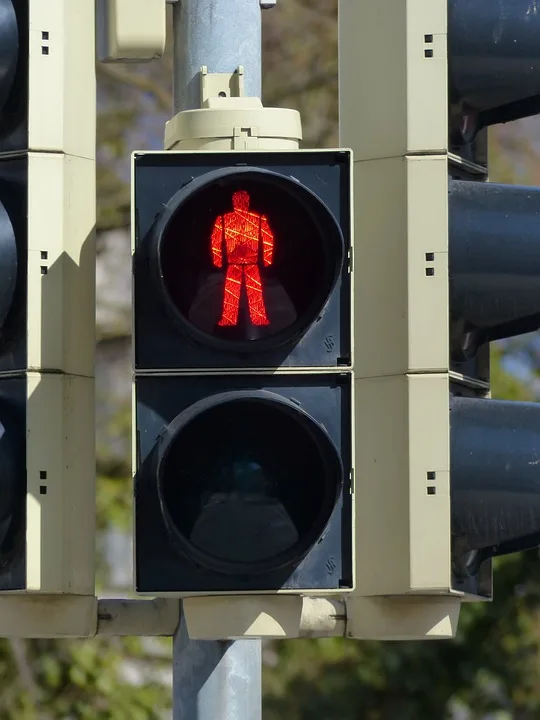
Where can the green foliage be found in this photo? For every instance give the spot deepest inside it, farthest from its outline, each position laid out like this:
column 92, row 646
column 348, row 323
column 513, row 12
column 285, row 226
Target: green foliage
column 113, row 193
column 114, row 502
column 79, row 679
column 503, row 385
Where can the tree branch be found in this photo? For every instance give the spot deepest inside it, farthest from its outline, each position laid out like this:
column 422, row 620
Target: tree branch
column 18, row 650
column 139, row 82
column 326, row 12
column 316, row 82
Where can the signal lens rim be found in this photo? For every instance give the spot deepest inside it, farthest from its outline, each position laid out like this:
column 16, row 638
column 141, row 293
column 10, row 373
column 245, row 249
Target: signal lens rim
column 332, row 246
column 333, row 483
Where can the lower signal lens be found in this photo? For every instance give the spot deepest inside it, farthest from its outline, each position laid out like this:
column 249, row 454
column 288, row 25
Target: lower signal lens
column 247, row 482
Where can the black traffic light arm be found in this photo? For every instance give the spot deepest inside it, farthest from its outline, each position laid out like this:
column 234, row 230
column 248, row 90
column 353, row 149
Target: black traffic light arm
column 494, row 259
column 495, row 477
column 494, row 59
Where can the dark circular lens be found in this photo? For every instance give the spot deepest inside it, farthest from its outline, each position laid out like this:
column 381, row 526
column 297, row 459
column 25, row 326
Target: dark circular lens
column 247, row 259
column 247, row 482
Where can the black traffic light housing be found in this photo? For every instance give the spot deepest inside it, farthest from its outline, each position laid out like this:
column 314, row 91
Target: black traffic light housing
column 280, row 444
column 493, row 61
column 494, row 283
column 243, row 361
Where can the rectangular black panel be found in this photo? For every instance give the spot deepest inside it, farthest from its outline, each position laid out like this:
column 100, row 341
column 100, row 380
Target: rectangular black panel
column 162, row 567
column 303, row 242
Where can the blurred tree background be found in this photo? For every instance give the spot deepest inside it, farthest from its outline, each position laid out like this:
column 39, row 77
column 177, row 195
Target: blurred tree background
column 490, row 672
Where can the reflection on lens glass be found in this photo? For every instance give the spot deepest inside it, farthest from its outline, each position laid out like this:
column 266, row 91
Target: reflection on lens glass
column 247, row 522
column 243, row 260
column 245, row 481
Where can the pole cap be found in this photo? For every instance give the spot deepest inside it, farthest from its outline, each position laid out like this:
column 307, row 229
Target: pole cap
column 234, row 123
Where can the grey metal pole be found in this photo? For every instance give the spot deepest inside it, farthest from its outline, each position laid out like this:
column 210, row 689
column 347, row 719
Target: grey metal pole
column 221, row 34
column 218, row 680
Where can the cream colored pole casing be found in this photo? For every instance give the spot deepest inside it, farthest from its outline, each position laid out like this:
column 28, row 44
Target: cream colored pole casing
column 393, row 114
column 60, row 432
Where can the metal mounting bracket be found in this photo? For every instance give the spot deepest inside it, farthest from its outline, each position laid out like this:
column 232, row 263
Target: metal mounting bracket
column 228, row 120
column 221, row 84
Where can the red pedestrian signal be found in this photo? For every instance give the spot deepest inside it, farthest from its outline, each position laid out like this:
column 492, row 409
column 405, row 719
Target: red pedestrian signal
column 244, row 237
column 245, row 261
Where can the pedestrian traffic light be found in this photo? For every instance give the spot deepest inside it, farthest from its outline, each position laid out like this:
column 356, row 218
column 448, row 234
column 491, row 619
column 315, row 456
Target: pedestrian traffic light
column 47, row 308
column 243, row 363
column 445, row 263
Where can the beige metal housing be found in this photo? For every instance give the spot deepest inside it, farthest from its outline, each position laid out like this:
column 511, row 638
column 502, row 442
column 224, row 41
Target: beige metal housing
column 234, row 123
column 393, row 113
column 403, row 617
column 48, row 616
column 393, row 77
column 227, row 120
column 61, row 261
column 382, row 618
column 268, row 616
column 60, row 502
column 62, row 114
column 130, row 30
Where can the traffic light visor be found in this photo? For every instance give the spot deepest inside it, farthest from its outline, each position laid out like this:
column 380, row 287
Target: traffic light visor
column 246, row 258
column 247, row 482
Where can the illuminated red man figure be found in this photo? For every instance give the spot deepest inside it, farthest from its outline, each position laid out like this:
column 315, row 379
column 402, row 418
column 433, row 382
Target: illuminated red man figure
column 245, row 236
